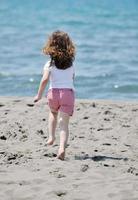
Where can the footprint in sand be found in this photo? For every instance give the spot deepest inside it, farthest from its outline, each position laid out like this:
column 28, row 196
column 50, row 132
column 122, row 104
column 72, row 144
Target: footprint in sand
column 135, row 109
column 127, row 145
column 16, row 100
column 50, row 155
column 60, row 193
column 106, row 165
column 107, row 112
column 126, row 125
column 2, row 137
column 61, row 176
column 81, row 137
column 1, row 105
column 93, row 105
column 85, row 117
column 41, row 132
column 124, row 151
column 100, row 129
column 30, row 104
column 107, row 144
column 107, row 119
column 84, row 168
column 133, row 170
column 24, row 183
column 12, row 157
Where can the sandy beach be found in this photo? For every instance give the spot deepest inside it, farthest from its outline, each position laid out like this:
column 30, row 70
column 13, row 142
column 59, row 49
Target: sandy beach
column 101, row 158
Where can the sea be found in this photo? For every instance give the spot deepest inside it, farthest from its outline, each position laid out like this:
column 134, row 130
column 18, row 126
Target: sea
column 105, row 33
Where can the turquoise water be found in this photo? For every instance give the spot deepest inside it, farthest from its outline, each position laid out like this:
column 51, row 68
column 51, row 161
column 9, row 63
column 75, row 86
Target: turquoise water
column 105, row 33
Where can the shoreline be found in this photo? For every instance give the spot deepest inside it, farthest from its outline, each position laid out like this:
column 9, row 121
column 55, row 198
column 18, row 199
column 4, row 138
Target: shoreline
column 101, row 157
column 79, row 99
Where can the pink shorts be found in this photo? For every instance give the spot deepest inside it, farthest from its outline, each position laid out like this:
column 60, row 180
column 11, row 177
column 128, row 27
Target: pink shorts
column 61, row 100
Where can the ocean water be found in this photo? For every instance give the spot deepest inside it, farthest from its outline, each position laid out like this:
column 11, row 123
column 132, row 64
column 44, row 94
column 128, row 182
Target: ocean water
column 105, row 33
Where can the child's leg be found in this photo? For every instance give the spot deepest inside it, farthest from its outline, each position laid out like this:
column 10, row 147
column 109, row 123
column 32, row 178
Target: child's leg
column 64, row 133
column 52, row 126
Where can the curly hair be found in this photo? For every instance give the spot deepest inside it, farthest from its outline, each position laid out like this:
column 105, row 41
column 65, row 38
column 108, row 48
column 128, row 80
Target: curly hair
column 61, row 49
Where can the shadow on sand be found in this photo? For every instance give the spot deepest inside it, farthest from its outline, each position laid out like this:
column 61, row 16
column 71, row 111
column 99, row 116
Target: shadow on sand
column 98, row 158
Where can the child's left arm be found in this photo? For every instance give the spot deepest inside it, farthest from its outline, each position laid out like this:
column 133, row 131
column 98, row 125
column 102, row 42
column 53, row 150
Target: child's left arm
column 43, row 83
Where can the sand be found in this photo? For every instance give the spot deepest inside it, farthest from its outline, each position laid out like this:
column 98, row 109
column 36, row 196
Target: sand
column 101, row 157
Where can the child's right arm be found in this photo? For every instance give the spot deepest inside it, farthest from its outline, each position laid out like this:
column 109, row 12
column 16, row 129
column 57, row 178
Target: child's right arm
column 43, row 83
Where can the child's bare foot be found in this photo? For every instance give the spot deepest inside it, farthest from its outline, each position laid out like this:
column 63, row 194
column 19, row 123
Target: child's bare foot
column 61, row 154
column 50, row 141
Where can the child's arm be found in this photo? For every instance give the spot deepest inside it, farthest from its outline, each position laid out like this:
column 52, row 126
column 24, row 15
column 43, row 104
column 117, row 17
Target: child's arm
column 42, row 85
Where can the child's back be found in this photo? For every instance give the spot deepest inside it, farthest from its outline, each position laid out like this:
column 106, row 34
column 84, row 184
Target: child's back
column 60, row 78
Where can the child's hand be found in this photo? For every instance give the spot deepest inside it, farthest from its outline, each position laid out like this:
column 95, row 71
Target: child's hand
column 37, row 98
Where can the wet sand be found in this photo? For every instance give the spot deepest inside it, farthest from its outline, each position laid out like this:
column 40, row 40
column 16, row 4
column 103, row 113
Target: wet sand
column 101, row 157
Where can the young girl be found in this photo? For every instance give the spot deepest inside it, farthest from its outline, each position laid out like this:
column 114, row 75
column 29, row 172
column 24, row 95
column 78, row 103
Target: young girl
column 60, row 71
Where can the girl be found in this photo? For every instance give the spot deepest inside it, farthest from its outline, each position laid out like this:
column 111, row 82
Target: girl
column 60, row 71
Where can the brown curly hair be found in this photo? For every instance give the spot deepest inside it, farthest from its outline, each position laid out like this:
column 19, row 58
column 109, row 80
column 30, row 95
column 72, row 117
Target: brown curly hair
column 61, row 49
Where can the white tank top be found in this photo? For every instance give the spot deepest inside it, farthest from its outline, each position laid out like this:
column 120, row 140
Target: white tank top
column 60, row 78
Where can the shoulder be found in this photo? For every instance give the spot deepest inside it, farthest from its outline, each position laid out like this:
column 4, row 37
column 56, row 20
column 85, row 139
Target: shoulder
column 47, row 66
column 73, row 68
